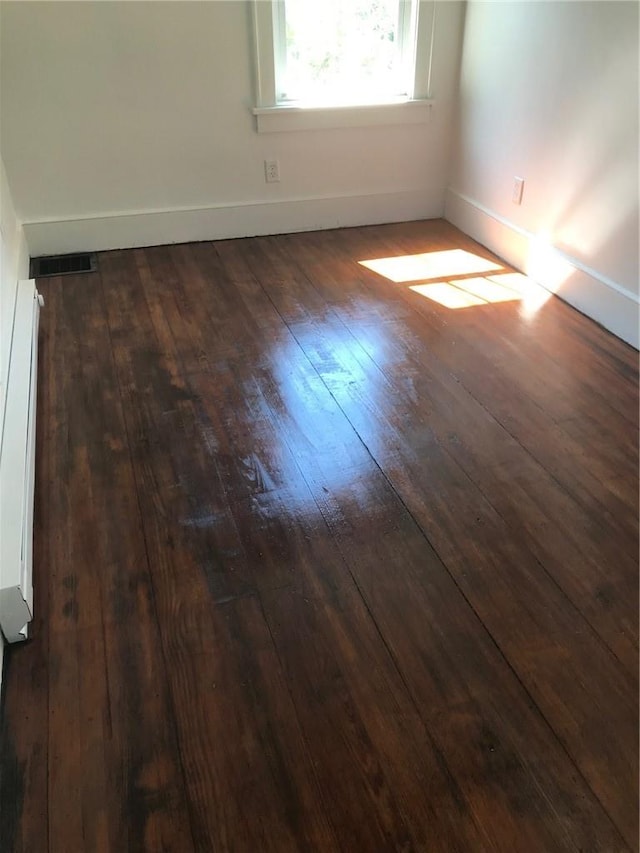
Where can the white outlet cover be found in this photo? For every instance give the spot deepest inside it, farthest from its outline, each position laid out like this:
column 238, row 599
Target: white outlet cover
column 271, row 171
column 518, row 187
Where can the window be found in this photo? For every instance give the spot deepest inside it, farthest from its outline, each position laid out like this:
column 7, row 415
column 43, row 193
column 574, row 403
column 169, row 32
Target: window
column 314, row 59
column 334, row 52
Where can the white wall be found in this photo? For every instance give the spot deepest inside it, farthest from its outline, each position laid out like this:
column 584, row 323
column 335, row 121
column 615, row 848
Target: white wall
column 14, row 265
column 135, row 107
column 549, row 92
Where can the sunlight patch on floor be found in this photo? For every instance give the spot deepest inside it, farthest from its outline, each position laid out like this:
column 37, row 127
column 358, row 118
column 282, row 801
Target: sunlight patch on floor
column 532, row 295
column 489, row 289
column 456, row 278
column 431, row 265
column 467, row 292
column 448, row 295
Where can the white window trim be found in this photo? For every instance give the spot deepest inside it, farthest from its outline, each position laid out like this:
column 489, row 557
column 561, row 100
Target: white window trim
column 272, row 117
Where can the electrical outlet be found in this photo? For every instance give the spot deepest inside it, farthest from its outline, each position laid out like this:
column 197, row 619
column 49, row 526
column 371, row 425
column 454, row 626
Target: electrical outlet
column 271, row 171
column 518, row 187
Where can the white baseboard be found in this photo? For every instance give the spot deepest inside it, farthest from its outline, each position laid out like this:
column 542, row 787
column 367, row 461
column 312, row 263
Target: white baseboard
column 600, row 298
column 157, row 227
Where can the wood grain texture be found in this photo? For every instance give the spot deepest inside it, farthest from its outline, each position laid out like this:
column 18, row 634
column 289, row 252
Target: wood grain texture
column 322, row 564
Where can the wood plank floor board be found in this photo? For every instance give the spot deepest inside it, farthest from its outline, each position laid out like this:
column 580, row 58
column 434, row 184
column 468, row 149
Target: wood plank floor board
column 356, row 392
column 483, row 448
column 284, row 561
column 526, row 495
column 564, row 385
column 485, row 559
column 74, row 812
column 324, row 565
column 512, row 353
column 475, row 355
column 585, row 347
column 473, row 669
column 238, row 732
column 461, row 672
column 103, row 787
column 382, row 780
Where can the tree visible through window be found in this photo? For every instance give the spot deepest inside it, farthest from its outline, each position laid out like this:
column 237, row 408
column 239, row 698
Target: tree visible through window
column 345, row 51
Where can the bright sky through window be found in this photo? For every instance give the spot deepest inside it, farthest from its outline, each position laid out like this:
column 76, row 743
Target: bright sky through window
column 346, row 51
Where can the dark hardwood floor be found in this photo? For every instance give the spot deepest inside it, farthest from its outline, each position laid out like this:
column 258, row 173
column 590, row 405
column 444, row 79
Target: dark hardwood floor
column 322, row 564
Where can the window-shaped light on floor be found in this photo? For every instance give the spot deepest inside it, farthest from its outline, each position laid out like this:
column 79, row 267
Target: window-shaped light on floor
column 467, row 292
column 431, row 265
column 448, row 295
column 489, row 289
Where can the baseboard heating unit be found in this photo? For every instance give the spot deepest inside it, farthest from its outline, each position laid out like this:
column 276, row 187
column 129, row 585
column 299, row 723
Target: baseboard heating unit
column 17, row 465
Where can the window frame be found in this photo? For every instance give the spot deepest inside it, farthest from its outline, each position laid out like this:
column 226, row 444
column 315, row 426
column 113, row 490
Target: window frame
column 273, row 115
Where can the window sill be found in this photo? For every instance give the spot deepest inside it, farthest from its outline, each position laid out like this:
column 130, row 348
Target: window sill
column 284, row 118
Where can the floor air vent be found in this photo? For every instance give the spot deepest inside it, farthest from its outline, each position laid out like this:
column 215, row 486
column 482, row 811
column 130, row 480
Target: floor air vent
column 63, row 265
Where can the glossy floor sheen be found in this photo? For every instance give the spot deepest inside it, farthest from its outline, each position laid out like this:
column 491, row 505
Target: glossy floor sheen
column 323, row 564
